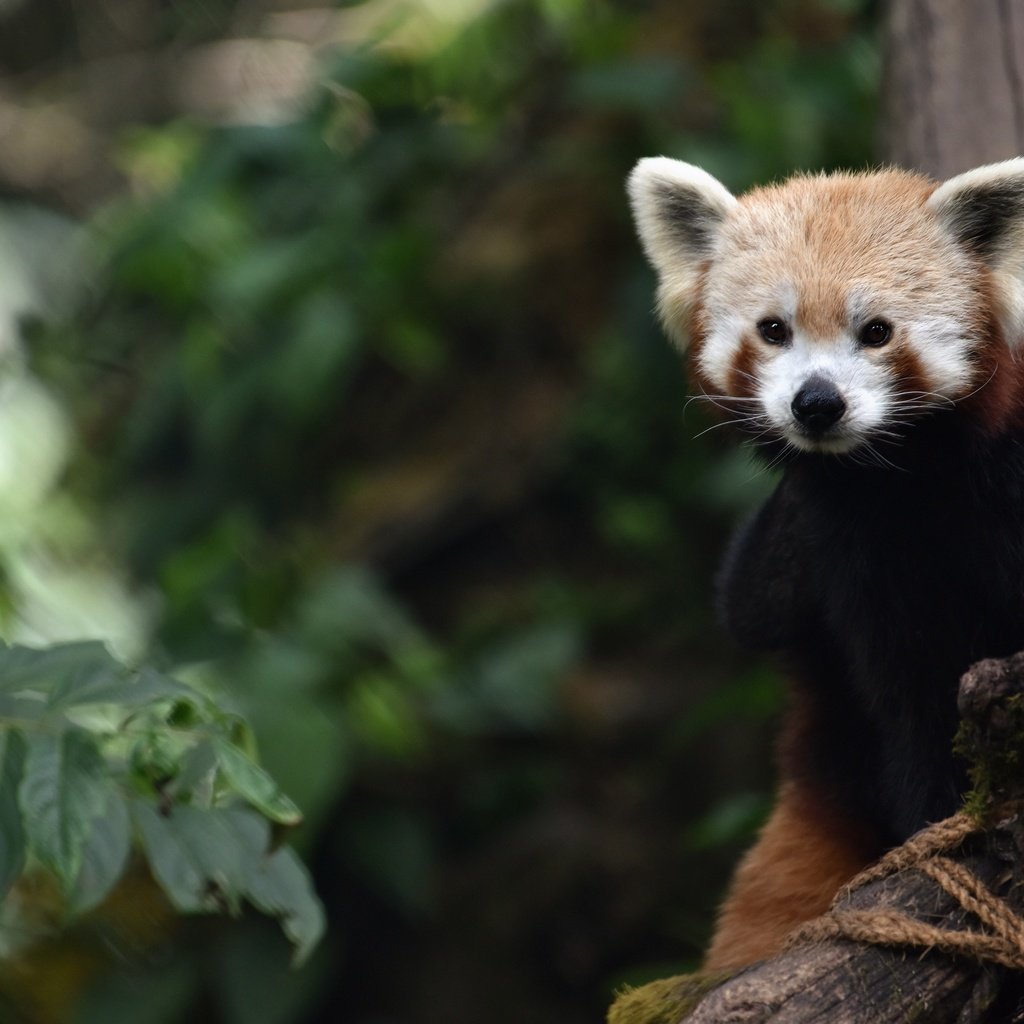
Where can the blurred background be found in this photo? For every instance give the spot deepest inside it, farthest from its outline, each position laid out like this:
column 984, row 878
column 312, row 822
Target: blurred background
column 329, row 378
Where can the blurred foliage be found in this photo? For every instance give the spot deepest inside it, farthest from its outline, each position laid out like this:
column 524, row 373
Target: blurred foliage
column 372, row 415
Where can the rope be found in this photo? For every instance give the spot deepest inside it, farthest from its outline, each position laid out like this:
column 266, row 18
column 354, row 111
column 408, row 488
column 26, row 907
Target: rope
column 1002, row 943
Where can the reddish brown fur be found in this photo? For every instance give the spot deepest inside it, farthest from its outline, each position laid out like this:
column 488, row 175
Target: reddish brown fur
column 997, row 401
column 743, row 375
column 906, row 367
column 805, row 853
column 807, row 850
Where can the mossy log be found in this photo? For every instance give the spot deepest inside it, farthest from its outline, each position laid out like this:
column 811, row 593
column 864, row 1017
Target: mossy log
column 841, row 981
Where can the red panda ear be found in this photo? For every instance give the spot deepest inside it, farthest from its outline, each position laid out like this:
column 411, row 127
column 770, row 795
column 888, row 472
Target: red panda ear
column 679, row 210
column 984, row 211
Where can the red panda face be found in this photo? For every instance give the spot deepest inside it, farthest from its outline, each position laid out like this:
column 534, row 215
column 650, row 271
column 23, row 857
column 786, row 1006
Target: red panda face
column 833, row 312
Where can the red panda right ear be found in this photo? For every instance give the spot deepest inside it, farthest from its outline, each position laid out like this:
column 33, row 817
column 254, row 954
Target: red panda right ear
column 679, row 210
column 983, row 209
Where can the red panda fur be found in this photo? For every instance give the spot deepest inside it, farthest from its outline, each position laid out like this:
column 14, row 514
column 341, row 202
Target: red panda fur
column 877, row 578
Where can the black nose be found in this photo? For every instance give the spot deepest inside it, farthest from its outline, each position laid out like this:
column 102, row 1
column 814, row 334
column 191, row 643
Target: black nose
column 818, row 404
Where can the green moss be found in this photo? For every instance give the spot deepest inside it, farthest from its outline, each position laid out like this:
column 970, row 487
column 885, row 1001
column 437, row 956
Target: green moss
column 993, row 765
column 663, row 1001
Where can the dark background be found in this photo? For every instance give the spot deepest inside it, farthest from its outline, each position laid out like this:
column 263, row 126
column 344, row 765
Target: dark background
column 349, row 405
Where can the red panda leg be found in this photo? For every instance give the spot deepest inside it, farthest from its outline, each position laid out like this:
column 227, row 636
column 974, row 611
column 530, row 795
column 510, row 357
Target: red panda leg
column 803, row 855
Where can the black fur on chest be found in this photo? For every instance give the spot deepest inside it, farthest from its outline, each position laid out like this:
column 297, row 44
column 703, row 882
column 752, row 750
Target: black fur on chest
column 877, row 589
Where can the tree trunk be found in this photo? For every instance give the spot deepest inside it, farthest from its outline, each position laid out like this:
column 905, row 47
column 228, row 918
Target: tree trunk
column 954, row 84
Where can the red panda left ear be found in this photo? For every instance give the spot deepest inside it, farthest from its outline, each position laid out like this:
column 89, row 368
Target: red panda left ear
column 679, row 211
column 983, row 209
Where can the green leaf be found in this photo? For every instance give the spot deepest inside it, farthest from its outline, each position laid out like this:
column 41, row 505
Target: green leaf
column 84, row 673
column 208, row 859
column 26, row 708
column 12, row 830
column 280, row 885
column 22, row 667
column 201, row 856
column 155, row 760
column 209, row 839
column 253, row 784
column 64, row 788
column 178, row 868
column 240, row 734
column 131, row 689
column 349, row 606
column 103, row 857
column 195, row 778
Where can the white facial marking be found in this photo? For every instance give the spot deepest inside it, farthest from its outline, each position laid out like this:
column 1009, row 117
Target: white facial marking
column 942, row 346
column 861, row 382
column 727, row 326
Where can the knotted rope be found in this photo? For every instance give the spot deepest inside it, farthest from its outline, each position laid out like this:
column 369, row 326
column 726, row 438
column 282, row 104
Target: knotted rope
column 1002, row 942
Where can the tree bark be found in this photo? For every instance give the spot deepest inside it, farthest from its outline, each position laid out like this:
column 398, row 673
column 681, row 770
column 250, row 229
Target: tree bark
column 953, row 93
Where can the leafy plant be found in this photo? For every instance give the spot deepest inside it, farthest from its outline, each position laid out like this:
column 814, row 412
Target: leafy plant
column 97, row 758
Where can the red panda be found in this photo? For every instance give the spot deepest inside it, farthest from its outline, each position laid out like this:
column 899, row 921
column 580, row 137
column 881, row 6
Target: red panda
column 863, row 331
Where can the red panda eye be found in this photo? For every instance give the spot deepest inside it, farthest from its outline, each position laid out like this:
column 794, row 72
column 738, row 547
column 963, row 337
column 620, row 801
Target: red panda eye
column 775, row 332
column 875, row 334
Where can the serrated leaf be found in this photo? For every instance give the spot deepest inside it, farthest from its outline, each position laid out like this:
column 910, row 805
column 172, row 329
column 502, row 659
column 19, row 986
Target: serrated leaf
column 217, row 848
column 198, row 854
column 254, row 785
column 132, row 689
column 29, row 666
column 280, row 886
column 73, row 685
column 208, row 859
column 84, row 673
column 12, row 830
column 63, row 789
column 104, row 856
column 174, row 866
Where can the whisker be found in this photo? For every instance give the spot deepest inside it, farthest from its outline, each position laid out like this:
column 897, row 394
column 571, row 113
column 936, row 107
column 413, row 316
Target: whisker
column 880, row 460
column 925, row 394
column 726, row 423
column 984, row 384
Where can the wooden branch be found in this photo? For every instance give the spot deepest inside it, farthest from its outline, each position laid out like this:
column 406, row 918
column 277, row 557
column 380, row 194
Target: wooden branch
column 839, row 981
